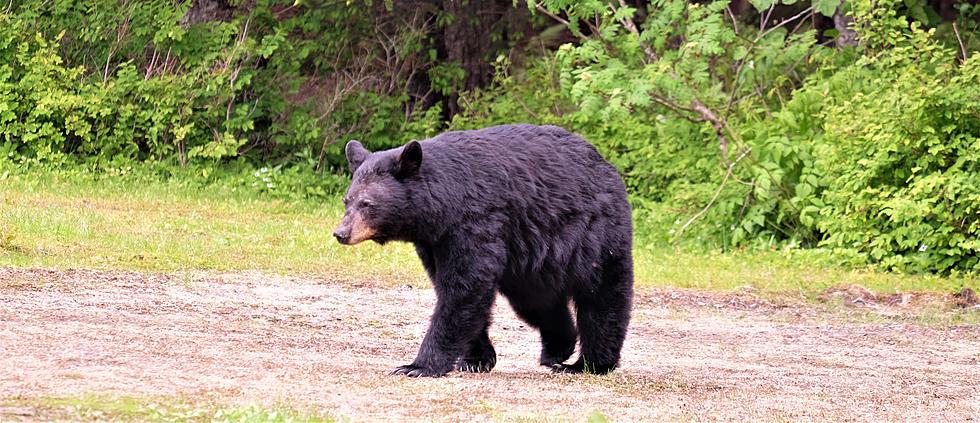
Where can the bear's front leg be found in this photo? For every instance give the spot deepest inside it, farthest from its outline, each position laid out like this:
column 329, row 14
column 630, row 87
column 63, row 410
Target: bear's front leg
column 480, row 357
column 459, row 317
column 465, row 290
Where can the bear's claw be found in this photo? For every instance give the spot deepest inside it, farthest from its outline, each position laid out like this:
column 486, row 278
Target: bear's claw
column 412, row 370
column 580, row 367
column 475, row 366
column 566, row 368
column 552, row 361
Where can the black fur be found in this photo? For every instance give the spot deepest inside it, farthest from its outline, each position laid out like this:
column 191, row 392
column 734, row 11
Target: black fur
column 533, row 212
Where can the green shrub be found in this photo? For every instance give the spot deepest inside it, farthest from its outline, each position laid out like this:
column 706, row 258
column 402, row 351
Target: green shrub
column 901, row 155
column 99, row 81
column 50, row 110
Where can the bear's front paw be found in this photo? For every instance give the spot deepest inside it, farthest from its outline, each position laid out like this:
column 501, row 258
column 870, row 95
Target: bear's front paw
column 474, row 365
column 412, row 370
column 581, row 367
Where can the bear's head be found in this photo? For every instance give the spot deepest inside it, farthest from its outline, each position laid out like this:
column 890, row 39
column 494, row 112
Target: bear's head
column 377, row 204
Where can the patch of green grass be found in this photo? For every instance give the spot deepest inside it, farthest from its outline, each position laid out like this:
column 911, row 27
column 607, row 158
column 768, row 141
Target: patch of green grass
column 802, row 271
column 170, row 225
column 124, row 408
column 48, row 221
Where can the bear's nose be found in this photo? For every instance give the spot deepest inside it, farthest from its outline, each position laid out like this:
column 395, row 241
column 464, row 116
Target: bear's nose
column 342, row 236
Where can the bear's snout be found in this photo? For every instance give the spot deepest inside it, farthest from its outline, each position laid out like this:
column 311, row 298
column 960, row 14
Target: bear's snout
column 353, row 230
column 342, row 234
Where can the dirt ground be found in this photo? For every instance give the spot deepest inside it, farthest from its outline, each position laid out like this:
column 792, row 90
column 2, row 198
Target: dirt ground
column 250, row 338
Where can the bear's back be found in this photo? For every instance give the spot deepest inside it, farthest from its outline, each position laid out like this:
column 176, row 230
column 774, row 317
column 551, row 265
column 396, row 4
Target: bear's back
column 523, row 142
column 550, row 191
column 524, row 160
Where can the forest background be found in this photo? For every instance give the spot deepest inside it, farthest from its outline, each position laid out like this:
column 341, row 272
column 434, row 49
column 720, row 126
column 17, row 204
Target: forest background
column 844, row 130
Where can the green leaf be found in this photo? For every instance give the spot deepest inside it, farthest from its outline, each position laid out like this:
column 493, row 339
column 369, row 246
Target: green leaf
column 740, row 53
column 762, row 5
column 826, row 7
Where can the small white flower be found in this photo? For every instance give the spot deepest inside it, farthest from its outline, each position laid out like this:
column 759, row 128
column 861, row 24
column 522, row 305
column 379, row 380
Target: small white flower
column 923, row 247
column 268, row 186
column 264, row 170
column 733, row 227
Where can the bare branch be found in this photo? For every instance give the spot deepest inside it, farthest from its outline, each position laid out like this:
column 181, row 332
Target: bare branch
column 680, row 110
column 956, row 31
column 631, row 27
column 765, row 20
column 800, row 23
column 785, row 21
column 741, row 63
column 728, row 11
column 728, row 175
column 715, row 122
column 565, row 22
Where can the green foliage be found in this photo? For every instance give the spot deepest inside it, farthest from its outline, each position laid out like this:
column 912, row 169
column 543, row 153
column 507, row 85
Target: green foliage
column 597, row 417
column 52, row 110
column 684, row 98
column 102, row 81
column 902, row 154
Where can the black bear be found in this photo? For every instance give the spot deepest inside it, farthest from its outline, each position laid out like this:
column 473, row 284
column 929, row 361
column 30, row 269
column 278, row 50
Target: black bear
column 533, row 212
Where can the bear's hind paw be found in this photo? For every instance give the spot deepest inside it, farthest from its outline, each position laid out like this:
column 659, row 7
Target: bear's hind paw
column 566, row 368
column 552, row 361
column 579, row 367
column 412, row 370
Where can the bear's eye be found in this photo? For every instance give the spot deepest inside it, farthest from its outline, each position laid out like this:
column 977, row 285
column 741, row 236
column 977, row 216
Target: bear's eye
column 365, row 203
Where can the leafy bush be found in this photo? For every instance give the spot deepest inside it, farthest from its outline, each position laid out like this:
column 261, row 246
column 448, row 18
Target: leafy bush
column 51, row 110
column 901, row 154
column 678, row 100
column 101, row 81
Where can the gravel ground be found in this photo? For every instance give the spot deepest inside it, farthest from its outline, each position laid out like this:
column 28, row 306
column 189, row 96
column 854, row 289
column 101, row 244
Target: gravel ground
column 247, row 338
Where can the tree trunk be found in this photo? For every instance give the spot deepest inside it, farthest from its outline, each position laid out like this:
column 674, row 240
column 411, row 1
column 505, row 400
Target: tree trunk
column 846, row 36
column 468, row 42
column 206, row 11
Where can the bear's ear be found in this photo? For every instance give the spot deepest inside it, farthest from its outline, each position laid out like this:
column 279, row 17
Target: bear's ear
column 409, row 161
column 356, row 153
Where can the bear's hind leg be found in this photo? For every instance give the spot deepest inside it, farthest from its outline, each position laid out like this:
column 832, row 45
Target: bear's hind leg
column 480, row 356
column 602, row 317
column 558, row 334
